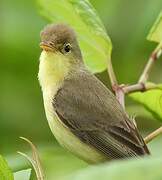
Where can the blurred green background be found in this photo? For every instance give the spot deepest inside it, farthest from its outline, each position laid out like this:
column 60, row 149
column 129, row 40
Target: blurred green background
column 21, row 106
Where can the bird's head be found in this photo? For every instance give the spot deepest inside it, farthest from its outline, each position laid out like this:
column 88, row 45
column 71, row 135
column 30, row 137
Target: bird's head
column 61, row 54
column 60, row 39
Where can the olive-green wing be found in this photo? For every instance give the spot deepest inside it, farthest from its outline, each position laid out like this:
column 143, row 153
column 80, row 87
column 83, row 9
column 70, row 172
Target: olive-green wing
column 94, row 115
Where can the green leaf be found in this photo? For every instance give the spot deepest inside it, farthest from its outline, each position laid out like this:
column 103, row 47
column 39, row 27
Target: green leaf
column 156, row 31
column 5, row 172
column 141, row 169
column 152, row 101
column 94, row 42
column 23, row 174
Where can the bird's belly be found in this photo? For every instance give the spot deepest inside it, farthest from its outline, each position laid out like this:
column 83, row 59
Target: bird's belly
column 68, row 140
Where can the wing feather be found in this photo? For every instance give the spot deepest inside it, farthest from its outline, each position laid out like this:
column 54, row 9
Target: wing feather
column 94, row 115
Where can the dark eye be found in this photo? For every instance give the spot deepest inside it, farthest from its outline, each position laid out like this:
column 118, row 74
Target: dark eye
column 67, row 48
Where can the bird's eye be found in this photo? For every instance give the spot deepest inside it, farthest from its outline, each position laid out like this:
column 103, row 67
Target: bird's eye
column 67, row 48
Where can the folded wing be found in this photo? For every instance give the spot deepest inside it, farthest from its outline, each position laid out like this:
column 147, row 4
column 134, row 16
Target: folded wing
column 94, row 115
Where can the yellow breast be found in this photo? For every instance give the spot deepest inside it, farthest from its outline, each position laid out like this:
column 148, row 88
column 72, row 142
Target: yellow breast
column 52, row 71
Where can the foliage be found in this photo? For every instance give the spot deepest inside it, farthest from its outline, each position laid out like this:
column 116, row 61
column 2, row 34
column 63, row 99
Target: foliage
column 146, row 168
column 22, row 175
column 5, row 172
column 156, row 31
column 21, row 106
column 152, row 101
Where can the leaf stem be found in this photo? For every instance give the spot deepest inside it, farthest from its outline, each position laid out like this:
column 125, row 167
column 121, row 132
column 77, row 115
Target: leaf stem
column 111, row 74
column 153, row 135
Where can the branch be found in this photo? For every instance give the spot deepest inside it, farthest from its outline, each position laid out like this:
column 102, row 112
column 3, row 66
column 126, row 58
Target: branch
column 111, row 74
column 114, row 84
column 121, row 90
column 140, row 87
column 134, row 88
column 154, row 56
column 153, row 135
column 120, row 96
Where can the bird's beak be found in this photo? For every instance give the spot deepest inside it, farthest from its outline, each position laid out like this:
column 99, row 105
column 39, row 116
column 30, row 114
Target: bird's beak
column 46, row 46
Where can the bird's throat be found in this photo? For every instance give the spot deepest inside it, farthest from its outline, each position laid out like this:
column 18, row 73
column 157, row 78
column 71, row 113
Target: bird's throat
column 53, row 69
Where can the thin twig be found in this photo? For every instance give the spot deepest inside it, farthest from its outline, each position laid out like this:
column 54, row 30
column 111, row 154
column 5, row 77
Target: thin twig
column 140, row 87
column 134, row 88
column 154, row 56
column 153, row 135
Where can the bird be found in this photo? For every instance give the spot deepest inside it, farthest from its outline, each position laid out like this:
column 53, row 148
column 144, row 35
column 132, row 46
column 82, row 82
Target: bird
column 83, row 114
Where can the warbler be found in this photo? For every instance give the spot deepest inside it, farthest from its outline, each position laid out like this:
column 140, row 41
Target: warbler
column 83, row 114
